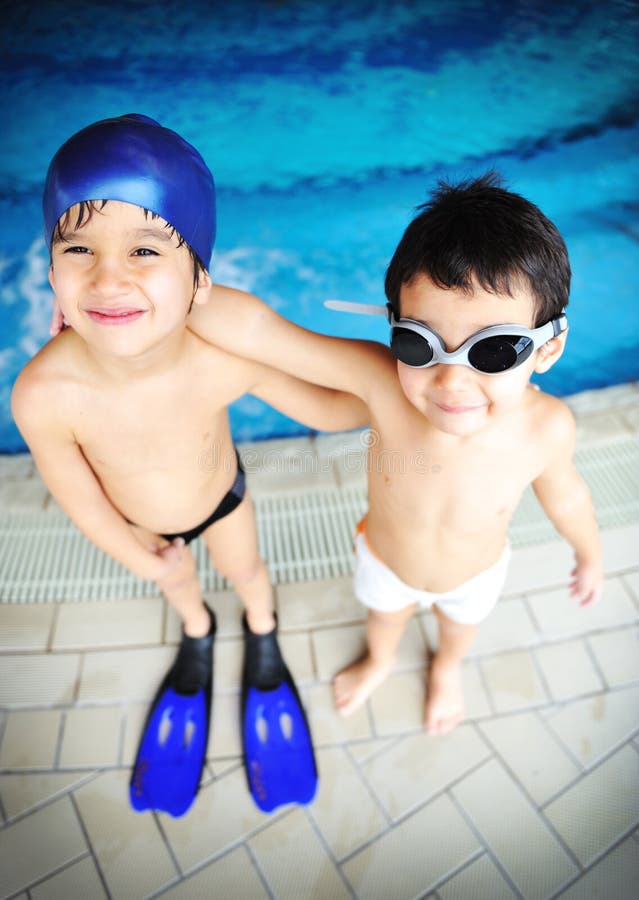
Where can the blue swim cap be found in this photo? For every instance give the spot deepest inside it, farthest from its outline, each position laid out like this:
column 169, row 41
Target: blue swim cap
column 136, row 160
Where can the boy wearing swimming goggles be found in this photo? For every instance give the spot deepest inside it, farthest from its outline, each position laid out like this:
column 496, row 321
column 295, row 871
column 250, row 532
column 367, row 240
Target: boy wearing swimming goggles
column 477, row 289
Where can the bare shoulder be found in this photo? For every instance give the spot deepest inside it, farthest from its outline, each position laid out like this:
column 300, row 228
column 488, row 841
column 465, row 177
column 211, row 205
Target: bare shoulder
column 552, row 421
column 42, row 389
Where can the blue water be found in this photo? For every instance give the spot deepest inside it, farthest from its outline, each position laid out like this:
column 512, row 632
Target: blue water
column 326, row 124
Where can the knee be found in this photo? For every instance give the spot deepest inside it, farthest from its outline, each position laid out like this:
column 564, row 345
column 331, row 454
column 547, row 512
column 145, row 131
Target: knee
column 245, row 572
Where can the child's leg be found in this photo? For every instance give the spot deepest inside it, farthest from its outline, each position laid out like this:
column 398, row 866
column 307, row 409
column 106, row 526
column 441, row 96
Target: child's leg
column 353, row 685
column 232, row 543
column 445, row 698
column 181, row 588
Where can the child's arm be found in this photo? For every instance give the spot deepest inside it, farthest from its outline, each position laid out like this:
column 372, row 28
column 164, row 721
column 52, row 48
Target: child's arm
column 242, row 324
column 567, row 502
column 73, row 484
column 319, row 408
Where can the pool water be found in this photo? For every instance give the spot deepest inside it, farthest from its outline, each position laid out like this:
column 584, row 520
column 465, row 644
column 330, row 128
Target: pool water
column 325, row 125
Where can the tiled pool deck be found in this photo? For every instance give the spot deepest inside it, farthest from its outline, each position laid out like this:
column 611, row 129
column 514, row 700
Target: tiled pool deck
column 535, row 796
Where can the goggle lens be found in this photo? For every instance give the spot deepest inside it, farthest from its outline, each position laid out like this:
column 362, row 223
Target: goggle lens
column 499, row 353
column 410, row 348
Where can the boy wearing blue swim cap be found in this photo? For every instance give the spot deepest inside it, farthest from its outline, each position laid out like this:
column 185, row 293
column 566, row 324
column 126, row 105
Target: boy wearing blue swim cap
column 126, row 411
column 476, row 289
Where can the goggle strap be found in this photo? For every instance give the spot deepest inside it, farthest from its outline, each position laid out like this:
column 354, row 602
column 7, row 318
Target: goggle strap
column 363, row 309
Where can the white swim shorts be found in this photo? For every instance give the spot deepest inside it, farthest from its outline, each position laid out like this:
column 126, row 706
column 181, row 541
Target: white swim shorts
column 377, row 587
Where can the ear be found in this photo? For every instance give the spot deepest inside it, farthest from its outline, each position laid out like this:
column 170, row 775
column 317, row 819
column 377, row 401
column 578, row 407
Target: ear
column 549, row 353
column 203, row 288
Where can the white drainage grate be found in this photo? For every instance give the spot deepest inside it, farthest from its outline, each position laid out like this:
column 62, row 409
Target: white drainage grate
column 303, row 536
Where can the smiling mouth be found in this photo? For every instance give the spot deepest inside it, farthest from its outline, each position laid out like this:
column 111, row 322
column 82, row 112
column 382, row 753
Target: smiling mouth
column 458, row 410
column 120, row 316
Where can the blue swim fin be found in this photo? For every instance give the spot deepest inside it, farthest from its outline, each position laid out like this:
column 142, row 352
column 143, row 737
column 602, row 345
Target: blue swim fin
column 278, row 750
column 170, row 758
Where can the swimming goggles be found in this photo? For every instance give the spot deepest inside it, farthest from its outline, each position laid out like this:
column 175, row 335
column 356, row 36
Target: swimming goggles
column 490, row 351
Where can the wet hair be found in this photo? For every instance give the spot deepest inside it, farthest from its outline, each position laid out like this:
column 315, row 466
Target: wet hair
column 82, row 213
column 478, row 231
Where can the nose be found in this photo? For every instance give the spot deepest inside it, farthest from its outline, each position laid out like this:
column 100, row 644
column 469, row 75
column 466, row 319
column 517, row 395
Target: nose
column 110, row 277
column 452, row 377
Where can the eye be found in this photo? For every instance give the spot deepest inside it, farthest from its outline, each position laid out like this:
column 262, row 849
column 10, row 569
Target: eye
column 76, row 249
column 145, row 251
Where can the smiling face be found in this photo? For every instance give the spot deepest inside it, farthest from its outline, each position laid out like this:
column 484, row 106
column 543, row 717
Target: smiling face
column 122, row 280
column 457, row 399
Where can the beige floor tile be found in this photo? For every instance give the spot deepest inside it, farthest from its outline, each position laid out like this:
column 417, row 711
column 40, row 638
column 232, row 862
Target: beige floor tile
column 111, row 675
column 280, row 465
column 509, row 625
column 23, row 494
column 108, row 623
column 617, row 654
column 421, row 765
column 568, row 669
column 222, row 815
column 227, row 656
column 312, row 604
column 16, row 466
column 593, row 726
column 134, row 719
column 602, row 399
column 397, row 704
column 346, row 453
column 335, row 648
column 532, row 755
column 232, row 876
column 121, row 838
column 30, row 739
column 21, row 792
column 620, row 547
column 616, row 876
column 296, row 649
column 25, row 626
column 78, row 880
column 228, row 614
column 91, row 737
column 344, row 810
column 480, row 879
column 38, row 679
column 475, row 696
column 294, row 862
column 327, row 727
column 631, row 580
column 39, row 844
column 412, row 857
column 597, row 811
column 513, row 681
column 600, row 428
column 518, row 837
column 558, row 616
column 225, row 738
column 364, row 751
column 538, row 566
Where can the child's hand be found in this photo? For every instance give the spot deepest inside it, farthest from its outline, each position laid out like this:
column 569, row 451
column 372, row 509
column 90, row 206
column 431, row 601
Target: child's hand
column 57, row 322
column 587, row 583
column 172, row 557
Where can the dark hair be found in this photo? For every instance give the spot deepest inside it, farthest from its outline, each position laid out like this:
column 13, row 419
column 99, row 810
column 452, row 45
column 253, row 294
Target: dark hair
column 84, row 213
column 478, row 230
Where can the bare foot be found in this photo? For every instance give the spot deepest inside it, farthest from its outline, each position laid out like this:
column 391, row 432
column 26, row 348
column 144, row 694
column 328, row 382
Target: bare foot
column 445, row 697
column 354, row 684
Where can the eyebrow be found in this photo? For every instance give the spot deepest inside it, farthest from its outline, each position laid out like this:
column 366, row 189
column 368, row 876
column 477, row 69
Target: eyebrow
column 158, row 234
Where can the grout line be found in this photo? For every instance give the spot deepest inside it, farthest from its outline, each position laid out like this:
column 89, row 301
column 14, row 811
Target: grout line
column 86, row 854
column 92, row 852
column 328, row 850
column 484, row 843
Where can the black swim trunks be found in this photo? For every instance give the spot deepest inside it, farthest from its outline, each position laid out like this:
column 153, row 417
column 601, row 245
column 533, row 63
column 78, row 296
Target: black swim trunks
column 227, row 504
